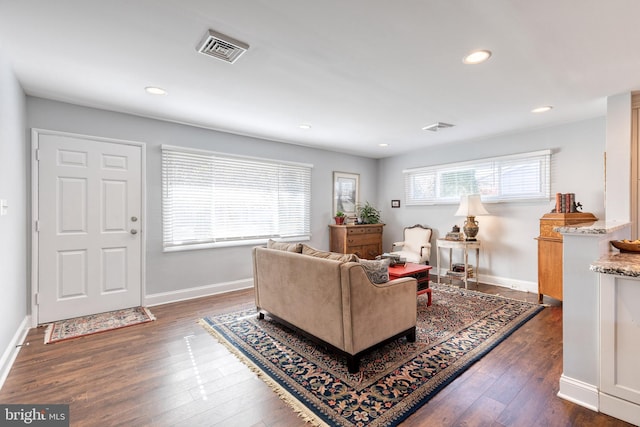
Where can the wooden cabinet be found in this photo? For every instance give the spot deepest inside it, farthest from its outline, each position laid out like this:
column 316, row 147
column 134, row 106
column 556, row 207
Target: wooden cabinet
column 550, row 251
column 363, row 240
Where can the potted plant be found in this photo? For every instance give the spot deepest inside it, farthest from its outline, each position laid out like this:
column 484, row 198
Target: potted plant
column 339, row 217
column 367, row 214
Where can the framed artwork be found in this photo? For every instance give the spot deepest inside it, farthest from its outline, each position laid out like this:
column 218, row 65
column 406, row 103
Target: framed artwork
column 346, row 192
column 395, row 203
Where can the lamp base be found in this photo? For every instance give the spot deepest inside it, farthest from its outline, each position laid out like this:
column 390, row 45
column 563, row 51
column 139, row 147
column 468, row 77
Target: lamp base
column 471, row 228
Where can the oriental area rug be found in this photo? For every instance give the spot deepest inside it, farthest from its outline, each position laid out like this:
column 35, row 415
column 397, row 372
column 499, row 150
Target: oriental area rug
column 394, row 380
column 96, row 323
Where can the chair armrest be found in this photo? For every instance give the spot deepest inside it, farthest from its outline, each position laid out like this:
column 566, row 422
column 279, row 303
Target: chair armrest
column 394, row 244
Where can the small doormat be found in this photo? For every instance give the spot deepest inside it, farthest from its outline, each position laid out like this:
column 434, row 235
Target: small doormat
column 96, row 323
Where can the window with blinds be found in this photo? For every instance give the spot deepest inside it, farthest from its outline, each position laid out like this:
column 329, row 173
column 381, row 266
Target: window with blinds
column 211, row 199
column 525, row 176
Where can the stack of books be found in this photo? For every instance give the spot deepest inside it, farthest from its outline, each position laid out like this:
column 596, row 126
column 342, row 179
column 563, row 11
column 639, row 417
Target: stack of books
column 565, row 203
column 458, row 270
column 395, row 259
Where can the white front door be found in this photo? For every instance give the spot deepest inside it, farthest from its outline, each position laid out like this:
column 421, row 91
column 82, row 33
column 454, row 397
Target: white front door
column 89, row 204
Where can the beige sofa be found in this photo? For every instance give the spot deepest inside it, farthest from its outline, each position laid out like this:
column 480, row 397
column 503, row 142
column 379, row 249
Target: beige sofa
column 333, row 301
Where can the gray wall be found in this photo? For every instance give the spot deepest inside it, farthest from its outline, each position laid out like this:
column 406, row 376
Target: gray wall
column 13, row 226
column 176, row 271
column 509, row 254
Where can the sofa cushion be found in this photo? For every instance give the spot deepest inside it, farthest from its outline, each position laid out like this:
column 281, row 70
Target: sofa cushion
column 377, row 270
column 308, row 250
column 285, row 246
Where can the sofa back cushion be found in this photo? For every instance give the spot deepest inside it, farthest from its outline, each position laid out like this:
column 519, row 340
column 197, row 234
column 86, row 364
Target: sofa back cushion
column 308, row 250
column 285, row 246
column 302, row 290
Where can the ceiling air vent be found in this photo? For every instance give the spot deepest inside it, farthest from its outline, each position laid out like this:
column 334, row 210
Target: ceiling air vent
column 222, row 47
column 437, row 126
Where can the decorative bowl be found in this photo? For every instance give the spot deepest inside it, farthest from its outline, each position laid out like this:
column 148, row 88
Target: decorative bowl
column 626, row 246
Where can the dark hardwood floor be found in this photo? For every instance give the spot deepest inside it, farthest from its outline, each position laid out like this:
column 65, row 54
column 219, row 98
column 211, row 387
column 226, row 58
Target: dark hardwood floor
column 172, row 373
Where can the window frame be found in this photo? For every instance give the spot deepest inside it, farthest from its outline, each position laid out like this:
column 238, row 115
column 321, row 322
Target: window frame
column 210, row 240
column 432, row 177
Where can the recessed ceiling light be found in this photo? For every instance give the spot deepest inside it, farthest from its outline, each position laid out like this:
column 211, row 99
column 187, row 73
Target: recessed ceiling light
column 383, row 145
column 304, row 126
column 155, row 90
column 476, row 57
column 542, row 109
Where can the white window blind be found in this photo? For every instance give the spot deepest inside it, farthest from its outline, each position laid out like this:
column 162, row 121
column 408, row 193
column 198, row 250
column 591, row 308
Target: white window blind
column 210, row 198
column 523, row 176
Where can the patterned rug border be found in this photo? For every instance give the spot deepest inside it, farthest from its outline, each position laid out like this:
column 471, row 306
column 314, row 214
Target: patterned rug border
column 277, row 386
column 305, row 408
column 52, row 327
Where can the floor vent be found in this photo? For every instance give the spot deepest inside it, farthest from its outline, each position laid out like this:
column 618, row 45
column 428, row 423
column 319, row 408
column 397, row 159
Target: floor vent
column 222, row 47
column 437, row 126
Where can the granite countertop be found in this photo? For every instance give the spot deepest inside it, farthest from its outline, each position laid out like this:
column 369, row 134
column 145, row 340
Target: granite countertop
column 592, row 227
column 618, row 263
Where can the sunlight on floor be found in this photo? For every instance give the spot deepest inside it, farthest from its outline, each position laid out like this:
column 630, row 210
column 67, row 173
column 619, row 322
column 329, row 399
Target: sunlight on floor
column 196, row 371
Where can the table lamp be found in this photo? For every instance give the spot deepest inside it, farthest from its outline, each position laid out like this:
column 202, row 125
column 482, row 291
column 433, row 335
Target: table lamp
column 471, row 206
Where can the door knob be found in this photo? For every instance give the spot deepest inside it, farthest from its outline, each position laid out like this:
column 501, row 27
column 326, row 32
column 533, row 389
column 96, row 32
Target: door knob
column 134, row 218
column 134, row 231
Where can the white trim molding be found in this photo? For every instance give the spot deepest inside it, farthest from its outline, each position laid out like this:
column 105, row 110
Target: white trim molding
column 198, row 292
column 504, row 282
column 579, row 392
column 11, row 352
column 619, row 408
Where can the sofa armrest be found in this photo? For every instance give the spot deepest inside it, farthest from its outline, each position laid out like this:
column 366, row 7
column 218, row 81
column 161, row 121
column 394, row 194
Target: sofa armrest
column 375, row 312
column 394, row 282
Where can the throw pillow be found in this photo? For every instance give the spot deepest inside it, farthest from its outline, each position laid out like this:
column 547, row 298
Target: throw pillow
column 308, row 250
column 284, row 246
column 377, row 270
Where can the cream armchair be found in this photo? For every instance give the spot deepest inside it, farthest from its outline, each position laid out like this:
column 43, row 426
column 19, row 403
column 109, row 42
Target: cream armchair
column 416, row 246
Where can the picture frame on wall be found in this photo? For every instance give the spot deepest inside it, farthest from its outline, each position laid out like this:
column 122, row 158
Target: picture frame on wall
column 346, row 192
column 395, row 203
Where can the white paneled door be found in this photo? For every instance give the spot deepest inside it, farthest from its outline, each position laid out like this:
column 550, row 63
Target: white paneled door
column 89, row 204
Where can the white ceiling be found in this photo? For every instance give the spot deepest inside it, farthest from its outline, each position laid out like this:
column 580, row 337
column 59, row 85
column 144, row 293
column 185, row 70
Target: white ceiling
column 361, row 72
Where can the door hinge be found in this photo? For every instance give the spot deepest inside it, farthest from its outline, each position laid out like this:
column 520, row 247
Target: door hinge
column 37, row 226
column 36, row 298
column 37, row 154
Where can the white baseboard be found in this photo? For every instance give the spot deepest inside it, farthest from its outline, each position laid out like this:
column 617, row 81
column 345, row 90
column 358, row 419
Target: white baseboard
column 621, row 409
column 516, row 285
column 579, row 392
column 12, row 350
column 198, row 292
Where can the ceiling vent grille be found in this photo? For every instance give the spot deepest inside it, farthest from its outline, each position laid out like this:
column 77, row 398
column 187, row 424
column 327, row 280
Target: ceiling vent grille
column 437, row 126
column 222, row 47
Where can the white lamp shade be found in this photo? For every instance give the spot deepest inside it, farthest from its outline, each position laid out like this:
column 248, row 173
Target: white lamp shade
column 471, row 205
